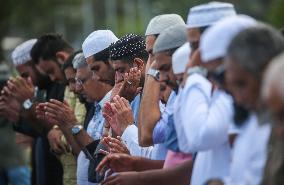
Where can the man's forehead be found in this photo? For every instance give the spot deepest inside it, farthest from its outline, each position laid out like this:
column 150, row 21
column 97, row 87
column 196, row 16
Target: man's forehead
column 150, row 40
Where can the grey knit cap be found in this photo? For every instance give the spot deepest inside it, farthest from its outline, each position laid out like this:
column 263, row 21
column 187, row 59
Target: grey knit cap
column 161, row 22
column 173, row 37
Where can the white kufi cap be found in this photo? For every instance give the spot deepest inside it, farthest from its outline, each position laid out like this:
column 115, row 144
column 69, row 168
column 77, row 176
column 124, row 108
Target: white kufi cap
column 22, row 53
column 207, row 14
column 97, row 41
column 180, row 58
column 216, row 39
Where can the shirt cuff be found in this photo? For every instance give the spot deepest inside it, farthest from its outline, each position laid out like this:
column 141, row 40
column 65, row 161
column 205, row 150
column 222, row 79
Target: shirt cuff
column 130, row 134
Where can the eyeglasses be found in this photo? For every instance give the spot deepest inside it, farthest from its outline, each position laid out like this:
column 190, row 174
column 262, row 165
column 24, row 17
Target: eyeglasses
column 82, row 81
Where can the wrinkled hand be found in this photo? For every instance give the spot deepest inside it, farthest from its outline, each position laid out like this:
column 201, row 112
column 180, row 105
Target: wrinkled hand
column 55, row 142
column 116, row 163
column 110, row 118
column 59, row 112
column 124, row 178
column 195, row 60
column 20, row 88
column 131, row 82
column 40, row 114
column 122, row 110
column 115, row 145
column 10, row 108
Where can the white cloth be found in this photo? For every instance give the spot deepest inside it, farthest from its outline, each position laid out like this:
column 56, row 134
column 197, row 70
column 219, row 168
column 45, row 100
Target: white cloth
column 202, row 122
column 216, row 39
column 95, row 130
column 249, row 154
column 130, row 138
column 180, row 58
column 209, row 13
column 98, row 41
column 161, row 22
column 22, row 53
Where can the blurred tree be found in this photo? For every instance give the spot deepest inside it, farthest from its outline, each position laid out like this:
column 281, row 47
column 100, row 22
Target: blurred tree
column 276, row 14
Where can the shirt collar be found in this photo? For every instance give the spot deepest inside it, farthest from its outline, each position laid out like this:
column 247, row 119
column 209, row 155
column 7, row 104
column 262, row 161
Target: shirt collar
column 105, row 99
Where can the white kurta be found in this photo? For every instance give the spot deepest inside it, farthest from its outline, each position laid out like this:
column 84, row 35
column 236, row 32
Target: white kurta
column 202, row 122
column 130, row 138
column 249, row 154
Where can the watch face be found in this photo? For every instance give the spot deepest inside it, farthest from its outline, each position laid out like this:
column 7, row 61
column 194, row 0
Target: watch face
column 27, row 104
column 75, row 130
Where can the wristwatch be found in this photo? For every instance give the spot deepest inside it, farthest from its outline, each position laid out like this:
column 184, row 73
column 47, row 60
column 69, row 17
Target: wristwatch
column 154, row 73
column 76, row 129
column 27, row 104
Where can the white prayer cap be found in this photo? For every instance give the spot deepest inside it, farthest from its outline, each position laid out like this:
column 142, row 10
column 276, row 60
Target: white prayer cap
column 216, row 39
column 98, row 41
column 161, row 22
column 207, row 14
column 170, row 38
column 180, row 58
column 22, row 53
column 79, row 61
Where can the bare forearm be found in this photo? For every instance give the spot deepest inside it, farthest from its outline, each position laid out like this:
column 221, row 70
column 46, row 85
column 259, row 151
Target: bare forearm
column 177, row 175
column 149, row 103
column 71, row 141
column 83, row 139
column 142, row 164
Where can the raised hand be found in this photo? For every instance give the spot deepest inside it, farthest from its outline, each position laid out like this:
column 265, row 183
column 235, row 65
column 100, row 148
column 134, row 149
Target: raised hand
column 116, row 163
column 123, row 178
column 60, row 112
column 110, row 118
column 20, row 88
column 115, row 145
column 130, row 87
column 55, row 142
column 122, row 110
column 10, row 108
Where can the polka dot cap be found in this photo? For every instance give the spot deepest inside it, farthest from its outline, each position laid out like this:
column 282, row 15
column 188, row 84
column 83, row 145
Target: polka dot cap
column 128, row 46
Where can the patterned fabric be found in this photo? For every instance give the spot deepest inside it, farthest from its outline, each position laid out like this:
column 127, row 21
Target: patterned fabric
column 68, row 160
column 129, row 45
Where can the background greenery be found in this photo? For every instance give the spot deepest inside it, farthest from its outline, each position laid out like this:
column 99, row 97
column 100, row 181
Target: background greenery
column 75, row 19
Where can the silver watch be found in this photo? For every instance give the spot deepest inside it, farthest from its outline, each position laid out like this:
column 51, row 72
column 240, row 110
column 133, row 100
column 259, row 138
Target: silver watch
column 154, row 73
column 27, row 104
column 76, row 129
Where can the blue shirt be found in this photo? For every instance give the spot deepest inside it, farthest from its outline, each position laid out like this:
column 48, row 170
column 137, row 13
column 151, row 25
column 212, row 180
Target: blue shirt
column 95, row 130
column 160, row 128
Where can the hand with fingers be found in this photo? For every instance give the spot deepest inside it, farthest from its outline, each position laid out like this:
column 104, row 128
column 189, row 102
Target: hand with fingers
column 123, row 113
column 56, row 144
column 20, row 88
column 116, row 163
column 123, row 178
column 10, row 108
column 110, row 118
column 131, row 82
column 195, row 60
column 58, row 112
column 117, row 86
column 115, row 145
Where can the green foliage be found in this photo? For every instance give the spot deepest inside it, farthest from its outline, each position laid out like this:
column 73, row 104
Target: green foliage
column 276, row 13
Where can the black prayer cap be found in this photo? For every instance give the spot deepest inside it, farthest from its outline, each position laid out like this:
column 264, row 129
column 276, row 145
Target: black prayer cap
column 127, row 46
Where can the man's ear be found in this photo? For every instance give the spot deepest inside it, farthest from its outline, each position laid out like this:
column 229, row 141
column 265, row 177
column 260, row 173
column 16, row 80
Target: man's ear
column 138, row 63
column 61, row 57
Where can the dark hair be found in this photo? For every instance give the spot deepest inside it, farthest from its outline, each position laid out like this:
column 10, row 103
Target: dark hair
column 170, row 52
column 253, row 48
column 143, row 55
column 69, row 62
column 48, row 45
column 202, row 29
column 102, row 55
